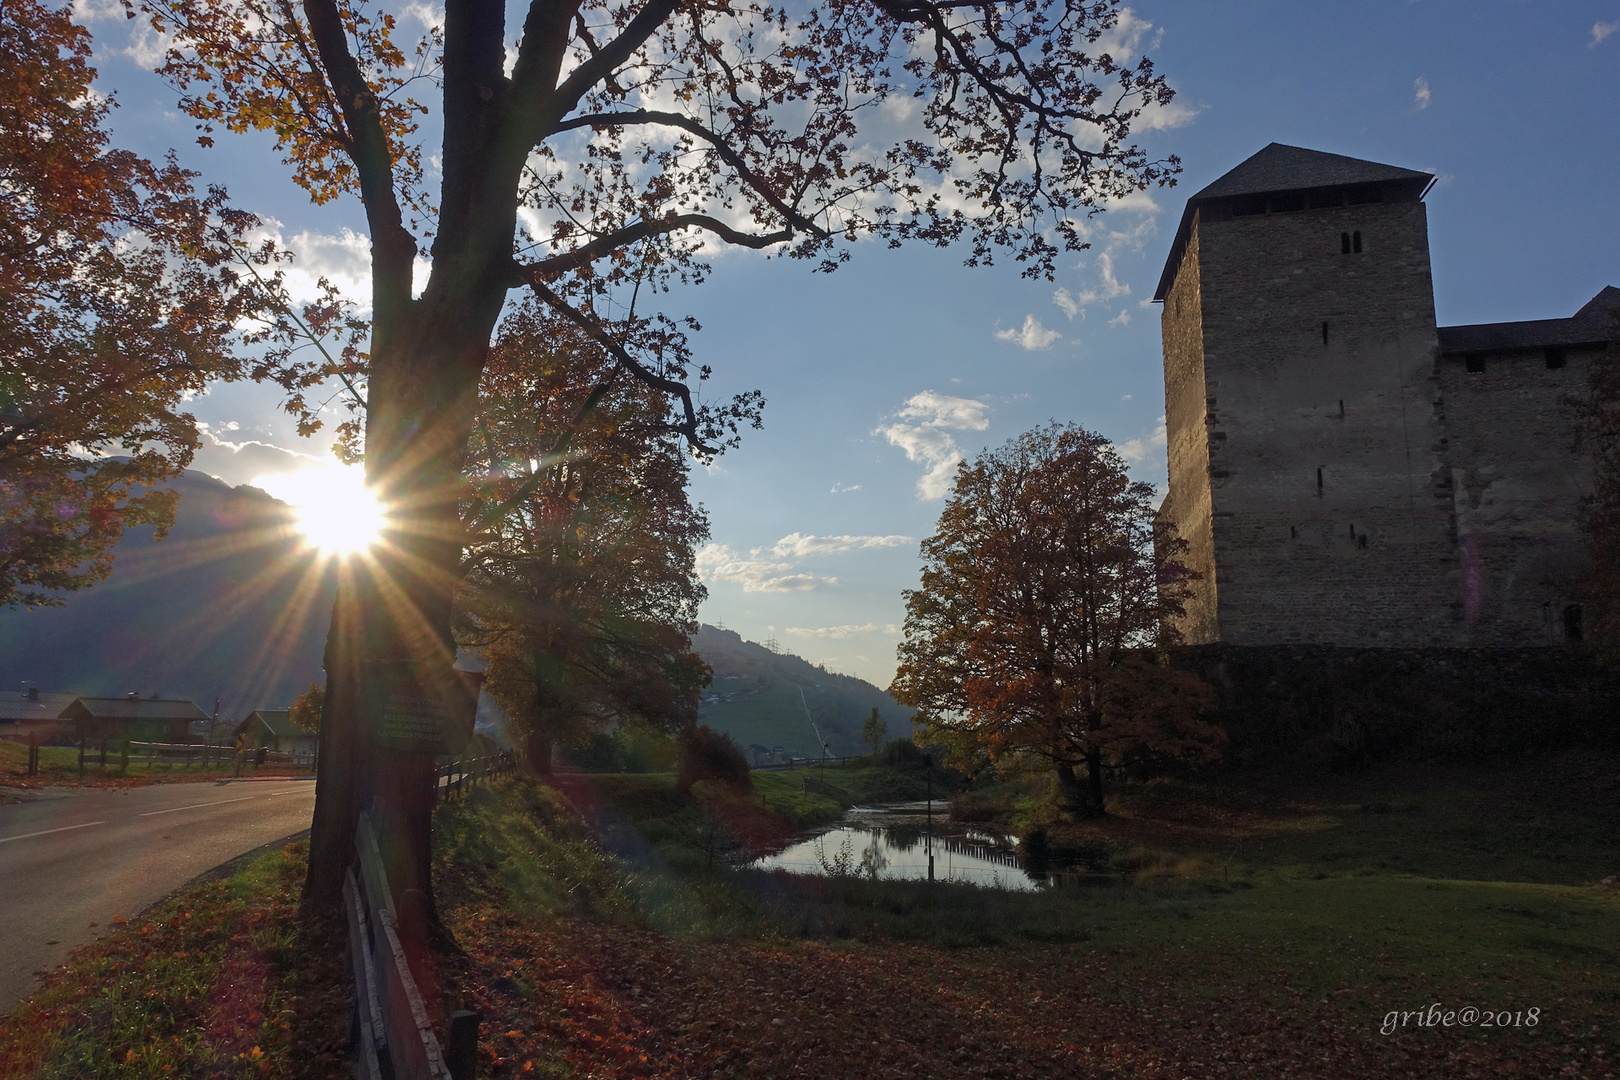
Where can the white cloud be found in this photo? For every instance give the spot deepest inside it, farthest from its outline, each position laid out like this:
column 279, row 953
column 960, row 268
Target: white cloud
column 1601, row 30
column 1032, row 335
column 429, row 15
column 718, row 562
column 944, row 411
column 1122, row 319
column 929, row 442
column 1108, row 286
column 840, row 489
column 798, row 545
column 1421, row 94
column 246, row 461
column 837, row 633
column 1139, row 449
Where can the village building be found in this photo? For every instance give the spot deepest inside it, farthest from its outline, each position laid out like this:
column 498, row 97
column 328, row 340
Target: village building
column 134, row 718
column 274, row 730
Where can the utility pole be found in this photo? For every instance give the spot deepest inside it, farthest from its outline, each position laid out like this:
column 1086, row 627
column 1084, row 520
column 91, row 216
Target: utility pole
column 928, row 770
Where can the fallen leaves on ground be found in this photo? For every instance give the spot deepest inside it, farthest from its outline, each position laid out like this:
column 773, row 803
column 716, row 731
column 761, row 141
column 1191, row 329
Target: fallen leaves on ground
column 586, row 999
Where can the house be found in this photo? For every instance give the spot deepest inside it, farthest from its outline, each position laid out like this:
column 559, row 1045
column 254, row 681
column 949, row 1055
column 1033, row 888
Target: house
column 32, row 713
column 153, row 719
column 274, row 730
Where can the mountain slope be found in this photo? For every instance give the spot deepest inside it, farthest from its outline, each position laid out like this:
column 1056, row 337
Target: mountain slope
column 762, row 698
column 231, row 605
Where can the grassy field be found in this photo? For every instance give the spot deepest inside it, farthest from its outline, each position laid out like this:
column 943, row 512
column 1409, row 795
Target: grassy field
column 1250, row 928
column 219, row 981
column 1242, row 926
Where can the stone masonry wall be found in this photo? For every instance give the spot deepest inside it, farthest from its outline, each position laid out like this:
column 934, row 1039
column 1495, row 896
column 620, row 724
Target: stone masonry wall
column 1188, row 504
column 1331, row 500
column 1517, row 488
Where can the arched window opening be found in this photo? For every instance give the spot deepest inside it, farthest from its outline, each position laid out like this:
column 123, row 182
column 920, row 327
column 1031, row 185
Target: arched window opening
column 1355, row 241
column 1324, row 334
column 1344, row 243
column 1555, row 359
column 1572, row 622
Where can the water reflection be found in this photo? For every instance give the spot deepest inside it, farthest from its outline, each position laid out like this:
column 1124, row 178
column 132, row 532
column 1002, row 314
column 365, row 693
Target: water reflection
column 894, row 842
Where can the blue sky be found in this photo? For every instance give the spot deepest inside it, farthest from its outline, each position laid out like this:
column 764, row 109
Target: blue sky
column 878, row 374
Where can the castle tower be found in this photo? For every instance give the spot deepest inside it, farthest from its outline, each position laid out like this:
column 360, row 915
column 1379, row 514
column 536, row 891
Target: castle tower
column 1307, row 458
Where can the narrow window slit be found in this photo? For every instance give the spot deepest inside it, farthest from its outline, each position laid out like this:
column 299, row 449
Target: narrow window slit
column 1319, row 482
column 1344, row 243
column 1355, row 242
column 1324, row 334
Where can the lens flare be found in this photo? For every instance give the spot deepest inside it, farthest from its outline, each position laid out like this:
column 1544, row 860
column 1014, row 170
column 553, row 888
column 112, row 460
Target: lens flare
column 337, row 513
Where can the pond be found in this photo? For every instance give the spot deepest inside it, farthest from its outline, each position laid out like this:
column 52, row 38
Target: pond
column 894, row 842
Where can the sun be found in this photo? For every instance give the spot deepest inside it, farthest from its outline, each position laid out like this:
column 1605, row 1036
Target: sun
column 336, row 512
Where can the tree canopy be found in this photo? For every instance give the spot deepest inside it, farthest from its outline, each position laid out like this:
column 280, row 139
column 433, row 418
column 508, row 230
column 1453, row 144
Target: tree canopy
column 580, row 592
column 119, row 299
column 1046, row 593
column 595, row 161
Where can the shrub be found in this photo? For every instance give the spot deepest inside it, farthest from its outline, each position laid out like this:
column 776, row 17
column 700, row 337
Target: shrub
column 704, row 754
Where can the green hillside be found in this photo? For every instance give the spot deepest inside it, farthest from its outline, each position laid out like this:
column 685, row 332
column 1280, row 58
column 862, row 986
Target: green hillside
column 762, row 698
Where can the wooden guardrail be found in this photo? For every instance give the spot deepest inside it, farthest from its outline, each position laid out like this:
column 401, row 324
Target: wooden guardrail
column 391, row 1031
column 459, row 776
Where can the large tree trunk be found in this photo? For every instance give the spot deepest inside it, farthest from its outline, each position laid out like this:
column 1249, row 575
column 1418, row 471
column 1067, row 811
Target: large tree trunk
column 394, row 607
column 1077, row 799
column 1094, row 785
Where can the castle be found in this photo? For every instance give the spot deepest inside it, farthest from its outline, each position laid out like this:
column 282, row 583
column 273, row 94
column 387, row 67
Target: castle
column 1346, row 472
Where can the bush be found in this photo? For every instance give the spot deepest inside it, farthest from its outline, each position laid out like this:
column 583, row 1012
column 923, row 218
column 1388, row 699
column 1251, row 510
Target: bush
column 705, row 754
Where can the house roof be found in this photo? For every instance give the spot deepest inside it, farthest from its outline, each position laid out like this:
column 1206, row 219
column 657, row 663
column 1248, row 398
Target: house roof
column 1279, row 167
column 1596, row 323
column 15, row 705
column 277, row 723
column 132, row 708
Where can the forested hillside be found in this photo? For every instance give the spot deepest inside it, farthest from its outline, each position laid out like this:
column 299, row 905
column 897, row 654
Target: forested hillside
column 231, row 606
column 769, row 699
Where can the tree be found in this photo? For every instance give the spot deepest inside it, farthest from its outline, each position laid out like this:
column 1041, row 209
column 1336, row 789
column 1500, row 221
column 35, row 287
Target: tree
column 580, row 593
column 1046, row 592
column 118, row 300
column 627, row 136
column 873, row 731
column 305, row 712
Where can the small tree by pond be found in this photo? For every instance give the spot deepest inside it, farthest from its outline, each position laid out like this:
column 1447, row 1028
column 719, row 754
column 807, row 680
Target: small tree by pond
column 1045, row 592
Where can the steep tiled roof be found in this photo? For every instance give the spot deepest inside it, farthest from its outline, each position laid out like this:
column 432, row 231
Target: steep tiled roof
column 1284, row 168
column 1597, row 322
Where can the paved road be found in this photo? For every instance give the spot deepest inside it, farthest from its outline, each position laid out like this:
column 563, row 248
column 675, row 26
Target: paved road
column 74, row 858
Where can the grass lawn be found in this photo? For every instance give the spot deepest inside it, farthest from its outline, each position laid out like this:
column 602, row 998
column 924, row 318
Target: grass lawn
column 219, row 981
column 1252, row 926
column 1261, row 933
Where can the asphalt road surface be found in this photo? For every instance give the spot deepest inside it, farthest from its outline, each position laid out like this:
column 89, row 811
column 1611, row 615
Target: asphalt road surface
column 71, row 859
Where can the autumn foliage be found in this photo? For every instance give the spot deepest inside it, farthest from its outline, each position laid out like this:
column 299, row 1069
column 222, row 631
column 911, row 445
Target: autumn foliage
column 1045, row 592
column 580, row 589
column 119, row 298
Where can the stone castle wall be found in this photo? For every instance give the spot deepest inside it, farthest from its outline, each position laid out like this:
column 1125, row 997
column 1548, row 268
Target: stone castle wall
column 1185, row 407
column 1517, row 488
column 1330, row 496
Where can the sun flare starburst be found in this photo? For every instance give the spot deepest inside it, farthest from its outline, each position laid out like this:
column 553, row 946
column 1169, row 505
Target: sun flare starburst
column 336, row 512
